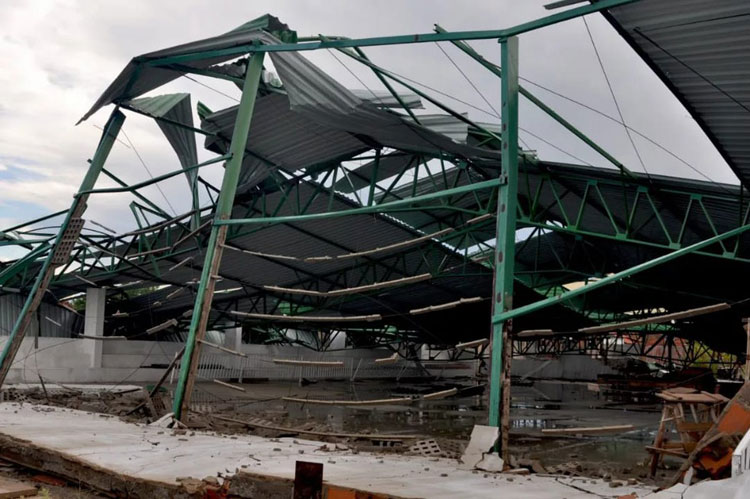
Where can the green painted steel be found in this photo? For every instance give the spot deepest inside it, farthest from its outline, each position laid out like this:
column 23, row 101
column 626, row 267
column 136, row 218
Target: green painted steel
column 218, row 233
column 533, row 307
column 378, row 208
column 393, row 40
column 504, row 257
column 36, row 220
column 13, row 343
column 22, row 264
column 158, row 211
column 140, row 185
column 465, row 47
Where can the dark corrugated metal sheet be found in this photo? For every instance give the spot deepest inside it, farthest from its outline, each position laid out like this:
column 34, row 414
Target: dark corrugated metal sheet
column 701, row 50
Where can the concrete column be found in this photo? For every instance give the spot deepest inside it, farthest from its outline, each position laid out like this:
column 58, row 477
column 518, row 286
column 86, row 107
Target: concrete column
column 233, row 338
column 94, row 323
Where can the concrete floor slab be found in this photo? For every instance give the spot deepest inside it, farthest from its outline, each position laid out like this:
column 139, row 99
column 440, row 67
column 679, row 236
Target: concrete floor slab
column 157, row 455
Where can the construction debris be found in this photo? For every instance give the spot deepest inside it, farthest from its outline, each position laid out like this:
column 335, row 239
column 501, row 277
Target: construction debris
column 483, row 439
column 712, row 454
column 400, row 400
column 12, row 489
column 589, row 430
column 316, row 363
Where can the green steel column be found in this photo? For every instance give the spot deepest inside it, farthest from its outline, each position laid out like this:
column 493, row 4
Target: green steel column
column 64, row 241
column 505, row 233
column 211, row 263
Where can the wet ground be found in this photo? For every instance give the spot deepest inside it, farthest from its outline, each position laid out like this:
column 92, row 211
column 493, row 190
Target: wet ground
column 542, row 404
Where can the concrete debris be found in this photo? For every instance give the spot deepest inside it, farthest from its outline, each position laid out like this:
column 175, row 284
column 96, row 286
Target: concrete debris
column 518, row 471
column 482, row 440
column 730, row 488
column 165, row 421
column 118, row 459
column 426, row 448
column 490, row 462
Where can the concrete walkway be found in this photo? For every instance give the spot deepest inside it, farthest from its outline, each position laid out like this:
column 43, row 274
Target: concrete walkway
column 155, row 454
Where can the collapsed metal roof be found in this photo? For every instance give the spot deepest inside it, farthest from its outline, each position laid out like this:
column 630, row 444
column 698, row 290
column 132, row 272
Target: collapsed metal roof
column 701, row 50
column 315, row 147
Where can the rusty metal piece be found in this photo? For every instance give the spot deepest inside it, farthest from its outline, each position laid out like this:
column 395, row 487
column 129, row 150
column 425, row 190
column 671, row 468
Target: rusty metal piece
column 308, row 480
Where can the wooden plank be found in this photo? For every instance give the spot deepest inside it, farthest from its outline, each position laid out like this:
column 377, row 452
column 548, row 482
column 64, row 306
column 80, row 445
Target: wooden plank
column 229, row 385
column 222, row 348
column 680, row 389
column 472, row 344
column 350, row 291
column 588, row 430
column 440, row 395
column 12, row 489
column 400, row 400
column 388, row 360
column 97, row 337
column 686, row 426
column 666, row 413
column 692, row 398
column 309, row 318
column 286, row 429
column 319, row 363
column 693, row 312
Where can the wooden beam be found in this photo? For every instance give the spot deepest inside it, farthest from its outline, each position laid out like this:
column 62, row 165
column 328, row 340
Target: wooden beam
column 223, row 349
column 229, row 385
column 310, row 318
column 319, row 363
column 440, row 395
column 400, row 400
column 445, row 306
column 284, row 429
column 606, row 328
column 388, row 360
column 589, row 430
column 472, row 344
column 350, row 291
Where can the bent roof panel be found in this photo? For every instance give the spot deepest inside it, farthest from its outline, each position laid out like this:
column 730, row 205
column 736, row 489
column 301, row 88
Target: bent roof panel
column 701, row 50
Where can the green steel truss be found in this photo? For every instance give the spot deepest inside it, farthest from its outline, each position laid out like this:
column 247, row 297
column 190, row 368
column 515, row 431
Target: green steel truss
column 428, row 195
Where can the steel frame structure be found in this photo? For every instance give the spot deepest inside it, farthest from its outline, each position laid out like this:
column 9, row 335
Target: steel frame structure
column 146, row 252
column 661, row 347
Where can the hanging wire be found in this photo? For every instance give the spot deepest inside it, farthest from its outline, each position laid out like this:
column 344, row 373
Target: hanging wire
column 354, row 75
column 211, row 88
column 477, row 89
column 612, row 118
column 612, row 93
column 640, row 134
column 148, row 170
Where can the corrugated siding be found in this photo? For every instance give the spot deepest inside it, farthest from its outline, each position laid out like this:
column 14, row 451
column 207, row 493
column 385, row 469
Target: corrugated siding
column 70, row 323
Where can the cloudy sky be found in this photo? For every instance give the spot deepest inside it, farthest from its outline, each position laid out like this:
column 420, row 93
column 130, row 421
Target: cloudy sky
column 58, row 57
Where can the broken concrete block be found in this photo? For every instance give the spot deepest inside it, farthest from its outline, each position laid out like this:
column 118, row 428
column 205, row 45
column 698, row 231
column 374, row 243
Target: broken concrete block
column 518, row 471
column 491, row 462
column 482, row 440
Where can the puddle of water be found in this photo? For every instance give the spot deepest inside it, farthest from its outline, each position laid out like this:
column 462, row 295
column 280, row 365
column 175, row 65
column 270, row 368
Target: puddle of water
column 534, row 407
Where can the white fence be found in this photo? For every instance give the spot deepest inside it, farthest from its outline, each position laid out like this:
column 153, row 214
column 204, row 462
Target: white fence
column 259, row 366
column 741, row 456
